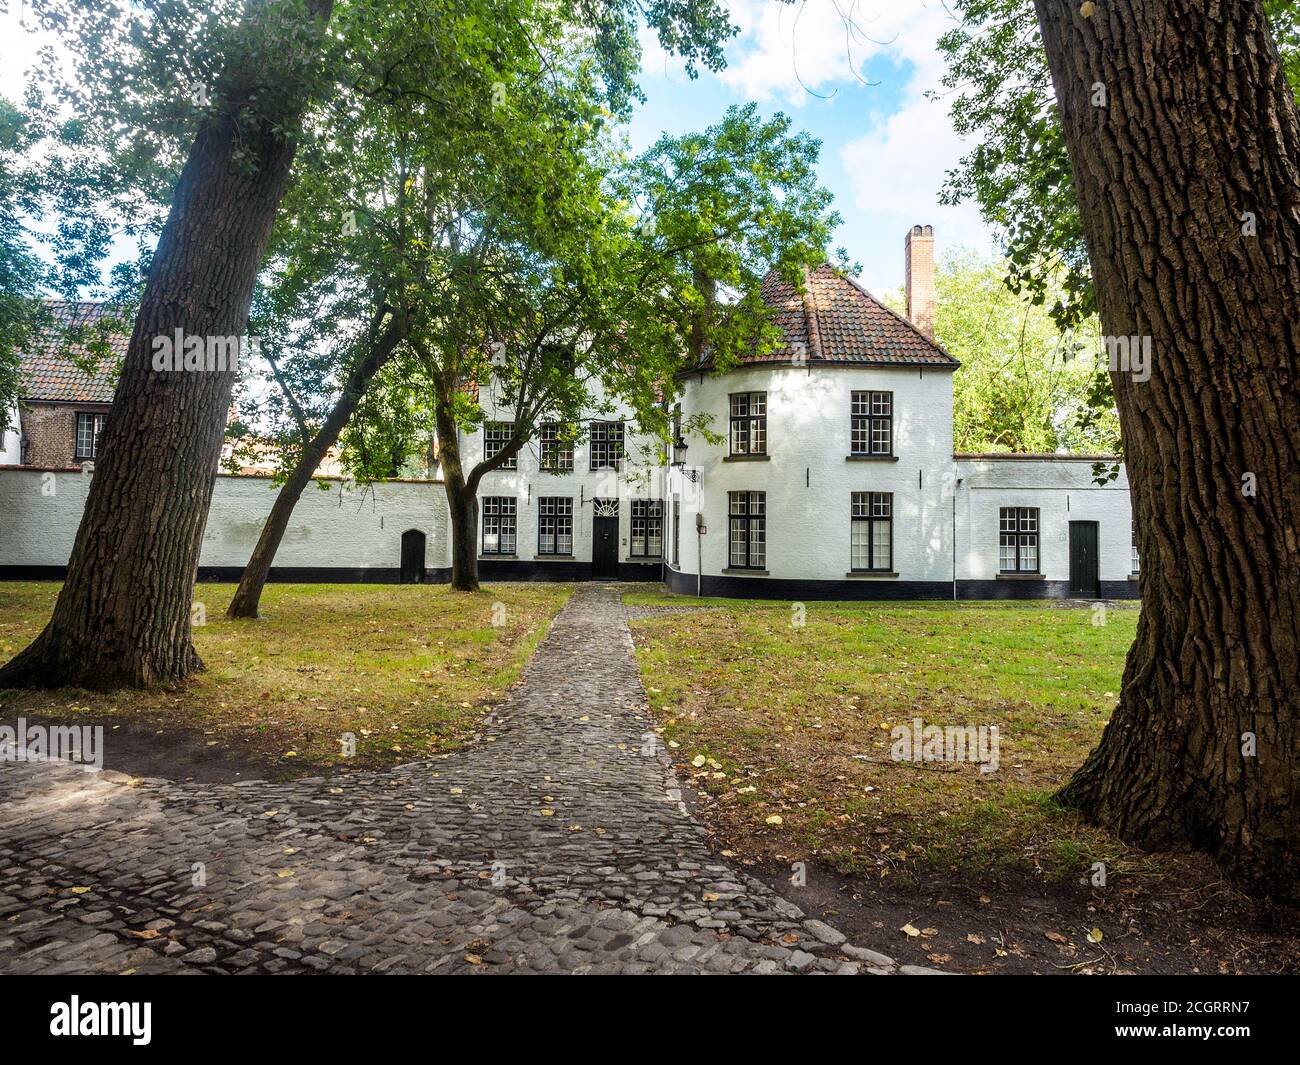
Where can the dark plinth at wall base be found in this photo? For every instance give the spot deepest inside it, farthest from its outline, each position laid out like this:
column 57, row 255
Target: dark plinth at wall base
column 728, row 587
column 719, row 586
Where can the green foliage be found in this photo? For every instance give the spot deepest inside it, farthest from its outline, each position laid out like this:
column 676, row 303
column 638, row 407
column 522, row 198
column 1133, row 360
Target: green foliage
column 722, row 208
column 1019, row 172
column 20, row 270
column 1022, row 386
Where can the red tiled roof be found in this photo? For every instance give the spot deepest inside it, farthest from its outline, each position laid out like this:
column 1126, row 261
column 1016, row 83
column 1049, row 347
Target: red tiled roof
column 48, row 372
column 837, row 320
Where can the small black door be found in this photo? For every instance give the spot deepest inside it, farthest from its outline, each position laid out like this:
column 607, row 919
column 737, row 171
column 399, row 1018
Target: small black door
column 412, row 557
column 604, row 547
column 1085, row 582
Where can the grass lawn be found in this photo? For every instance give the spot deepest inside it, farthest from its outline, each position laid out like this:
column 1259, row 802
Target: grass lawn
column 785, row 730
column 410, row 670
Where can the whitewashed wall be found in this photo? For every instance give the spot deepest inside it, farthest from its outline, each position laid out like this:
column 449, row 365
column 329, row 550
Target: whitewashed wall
column 357, row 528
column 808, row 478
column 642, row 477
column 1063, row 490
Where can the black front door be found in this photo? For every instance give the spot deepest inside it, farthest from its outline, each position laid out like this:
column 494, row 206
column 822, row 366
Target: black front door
column 412, row 557
column 604, row 544
column 1085, row 580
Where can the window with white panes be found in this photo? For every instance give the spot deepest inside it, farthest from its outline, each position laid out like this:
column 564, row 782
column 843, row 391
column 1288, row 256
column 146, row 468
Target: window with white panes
column 1018, row 539
column 747, row 530
column 872, row 531
column 500, row 514
column 555, row 525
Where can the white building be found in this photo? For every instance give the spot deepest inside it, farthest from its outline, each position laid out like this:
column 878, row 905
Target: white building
column 836, row 479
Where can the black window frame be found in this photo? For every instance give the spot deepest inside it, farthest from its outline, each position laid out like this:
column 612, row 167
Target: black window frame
column 554, row 452
column 500, row 434
column 554, row 516
column 96, row 427
column 746, row 424
column 1023, row 526
column 752, row 516
column 497, row 511
column 870, row 410
column 608, row 437
column 877, row 508
column 648, row 515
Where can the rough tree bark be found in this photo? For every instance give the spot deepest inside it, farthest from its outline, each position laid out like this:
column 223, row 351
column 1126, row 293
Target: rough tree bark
column 1189, row 193
column 248, row 595
column 123, row 614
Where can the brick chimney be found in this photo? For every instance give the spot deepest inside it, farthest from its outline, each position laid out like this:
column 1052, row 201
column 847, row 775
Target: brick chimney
column 919, row 283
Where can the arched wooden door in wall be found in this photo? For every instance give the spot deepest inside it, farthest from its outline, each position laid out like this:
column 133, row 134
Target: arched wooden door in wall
column 412, row 557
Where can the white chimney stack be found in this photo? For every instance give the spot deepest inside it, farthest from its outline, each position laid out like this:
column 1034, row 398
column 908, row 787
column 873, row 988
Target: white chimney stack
column 919, row 270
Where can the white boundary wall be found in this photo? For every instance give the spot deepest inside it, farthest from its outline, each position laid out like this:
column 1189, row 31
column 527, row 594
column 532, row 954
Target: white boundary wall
column 343, row 527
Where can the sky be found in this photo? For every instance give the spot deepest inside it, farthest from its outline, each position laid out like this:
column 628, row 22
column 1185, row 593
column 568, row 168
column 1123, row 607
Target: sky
column 853, row 73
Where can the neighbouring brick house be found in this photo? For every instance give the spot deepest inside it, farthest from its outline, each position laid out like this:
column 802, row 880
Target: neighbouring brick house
column 61, row 407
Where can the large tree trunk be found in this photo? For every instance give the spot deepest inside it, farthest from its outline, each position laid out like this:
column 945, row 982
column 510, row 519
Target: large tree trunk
column 462, row 503
column 1199, row 128
column 123, row 614
column 249, row 593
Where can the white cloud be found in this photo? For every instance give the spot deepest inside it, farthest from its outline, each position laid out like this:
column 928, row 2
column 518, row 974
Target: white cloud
column 793, row 50
column 897, row 168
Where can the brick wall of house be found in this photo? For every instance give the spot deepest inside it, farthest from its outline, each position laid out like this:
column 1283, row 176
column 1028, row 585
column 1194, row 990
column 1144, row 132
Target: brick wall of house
column 50, row 432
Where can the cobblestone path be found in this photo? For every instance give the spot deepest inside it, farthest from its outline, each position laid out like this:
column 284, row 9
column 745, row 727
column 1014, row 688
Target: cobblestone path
column 554, row 845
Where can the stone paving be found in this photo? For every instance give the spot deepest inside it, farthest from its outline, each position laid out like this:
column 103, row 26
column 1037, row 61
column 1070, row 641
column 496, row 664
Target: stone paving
column 559, row 843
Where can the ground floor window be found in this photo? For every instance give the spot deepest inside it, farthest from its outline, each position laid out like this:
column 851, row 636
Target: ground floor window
column 1018, row 543
column 647, row 528
column 748, row 539
column 872, row 536
column 499, row 516
column 554, row 525
column 1133, row 540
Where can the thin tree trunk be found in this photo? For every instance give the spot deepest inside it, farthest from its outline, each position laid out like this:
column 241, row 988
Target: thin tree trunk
column 123, row 614
column 248, row 595
column 1189, row 194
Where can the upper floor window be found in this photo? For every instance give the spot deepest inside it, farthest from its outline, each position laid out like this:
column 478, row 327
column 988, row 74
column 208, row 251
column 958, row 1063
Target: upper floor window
column 748, row 530
column 647, row 528
column 496, row 435
column 606, row 445
column 89, row 426
column 749, row 423
column 872, row 539
column 871, row 428
column 499, row 517
column 554, row 525
column 556, row 451
column 1018, row 544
